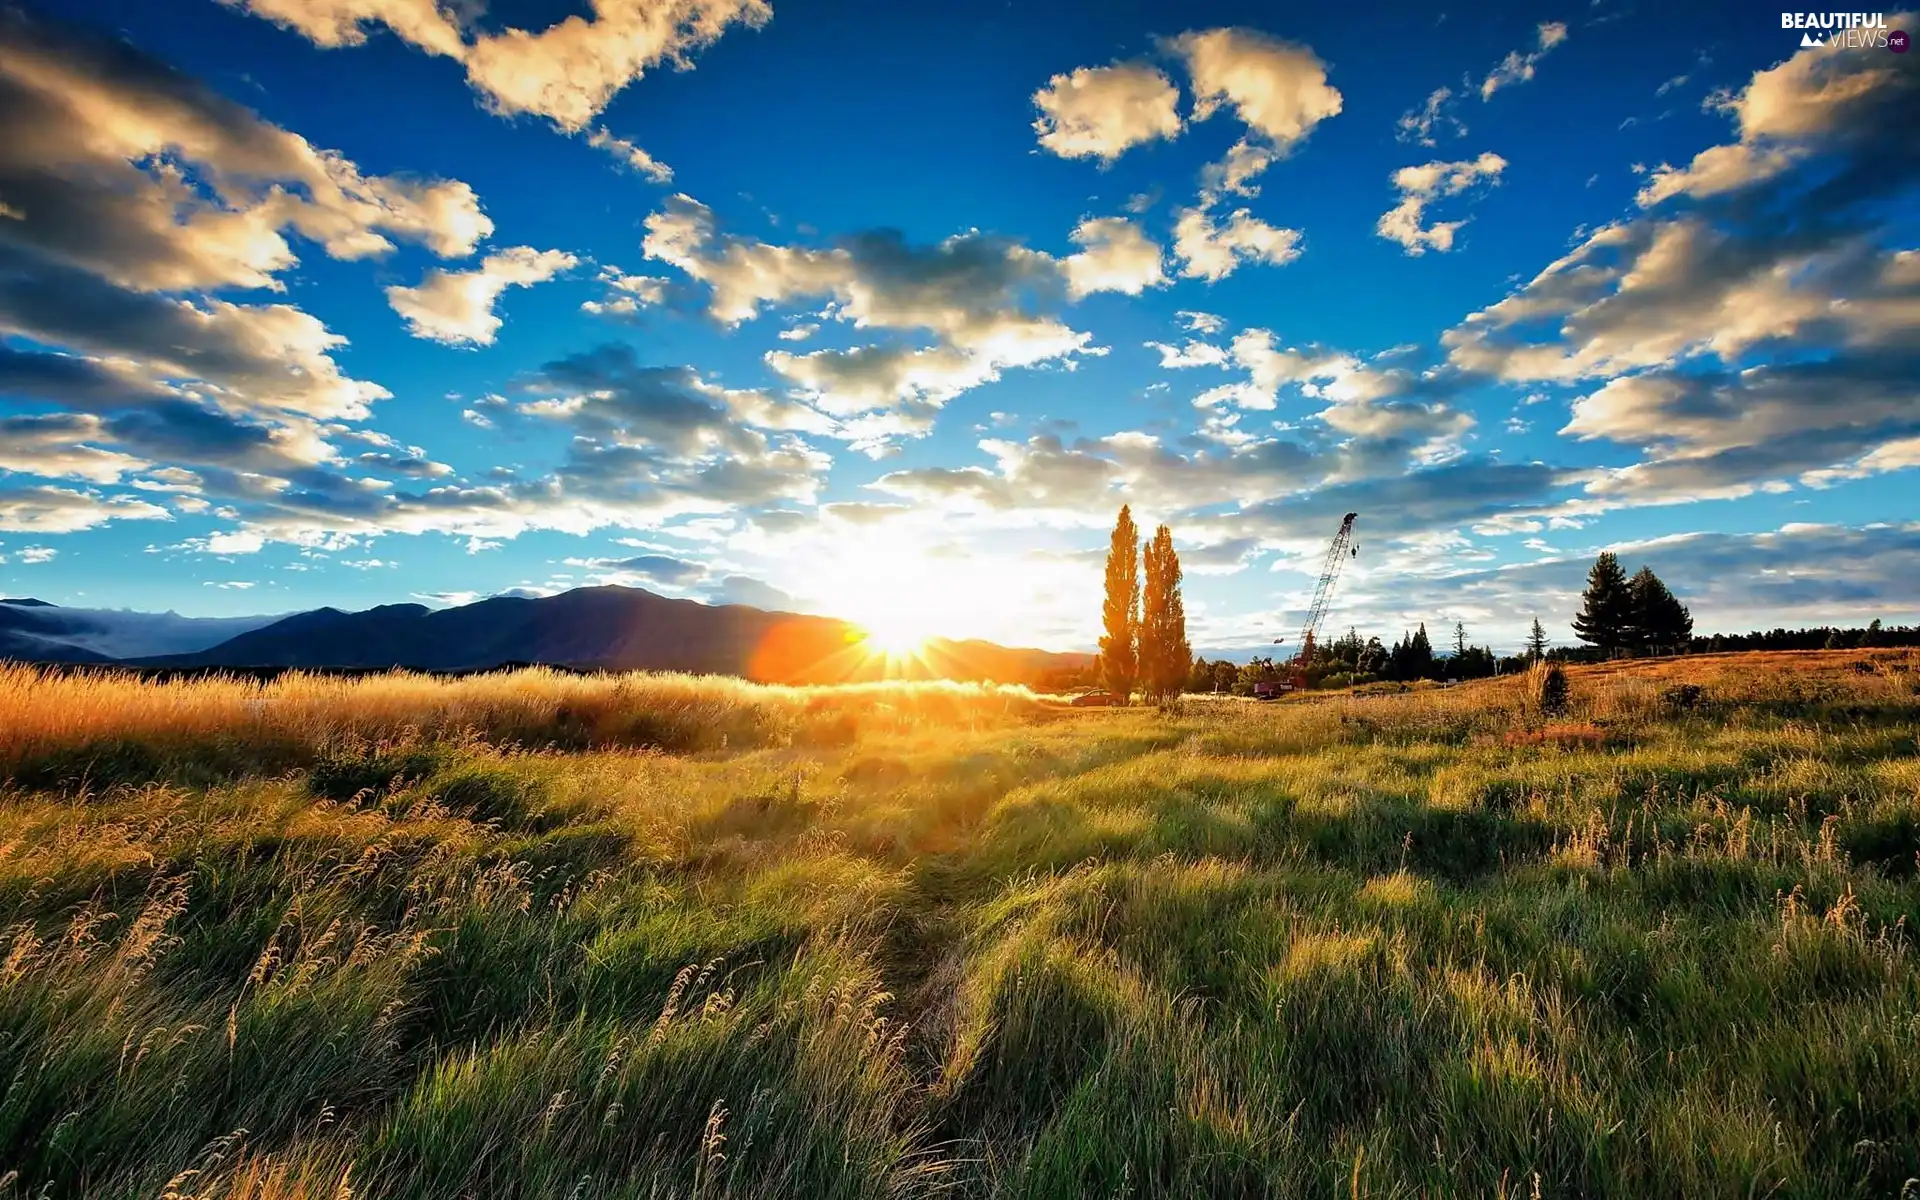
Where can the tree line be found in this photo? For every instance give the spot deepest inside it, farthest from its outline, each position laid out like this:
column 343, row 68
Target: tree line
column 1350, row 661
column 1145, row 646
column 1622, row 616
column 1145, row 643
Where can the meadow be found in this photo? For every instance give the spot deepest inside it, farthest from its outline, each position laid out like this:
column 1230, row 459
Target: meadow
column 535, row 935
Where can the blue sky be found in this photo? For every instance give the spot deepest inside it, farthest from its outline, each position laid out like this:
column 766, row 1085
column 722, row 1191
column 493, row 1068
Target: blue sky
column 883, row 310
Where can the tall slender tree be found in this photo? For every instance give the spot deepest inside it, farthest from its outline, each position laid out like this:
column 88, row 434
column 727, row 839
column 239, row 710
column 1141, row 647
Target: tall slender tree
column 1606, row 613
column 1163, row 649
column 1537, row 642
column 1421, row 648
column 1119, row 648
column 1459, row 638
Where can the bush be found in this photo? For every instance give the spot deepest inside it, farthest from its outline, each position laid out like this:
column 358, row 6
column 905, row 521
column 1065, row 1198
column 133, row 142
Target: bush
column 1547, row 690
column 1684, row 697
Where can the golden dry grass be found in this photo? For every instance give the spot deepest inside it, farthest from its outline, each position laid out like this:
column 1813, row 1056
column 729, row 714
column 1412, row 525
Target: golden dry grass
column 56, row 715
column 538, row 936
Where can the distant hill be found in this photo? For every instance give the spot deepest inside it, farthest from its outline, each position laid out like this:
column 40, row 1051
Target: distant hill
column 610, row 628
column 36, row 631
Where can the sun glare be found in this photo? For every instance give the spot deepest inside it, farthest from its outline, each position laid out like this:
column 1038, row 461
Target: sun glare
column 894, row 638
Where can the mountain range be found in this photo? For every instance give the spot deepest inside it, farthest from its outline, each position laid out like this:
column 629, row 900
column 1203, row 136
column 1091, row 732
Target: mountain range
column 592, row 628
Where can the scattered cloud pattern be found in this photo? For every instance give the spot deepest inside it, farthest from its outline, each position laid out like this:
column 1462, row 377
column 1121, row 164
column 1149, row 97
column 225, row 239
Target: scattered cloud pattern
column 747, row 378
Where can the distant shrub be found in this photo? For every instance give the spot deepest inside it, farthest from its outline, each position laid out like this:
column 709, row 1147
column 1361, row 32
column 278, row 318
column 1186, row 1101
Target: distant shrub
column 1684, row 697
column 1547, row 689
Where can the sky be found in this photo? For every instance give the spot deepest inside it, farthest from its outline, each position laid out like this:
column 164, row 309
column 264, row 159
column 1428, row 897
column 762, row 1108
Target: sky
column 883, row 310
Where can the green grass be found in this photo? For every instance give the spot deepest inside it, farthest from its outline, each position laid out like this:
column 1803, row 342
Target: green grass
column 1429, row 944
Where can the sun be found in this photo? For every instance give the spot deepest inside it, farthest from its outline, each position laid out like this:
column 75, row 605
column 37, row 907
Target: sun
column 894, row 635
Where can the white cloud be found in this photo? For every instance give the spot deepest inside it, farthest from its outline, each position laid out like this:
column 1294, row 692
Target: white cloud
column 1760, row 334
column 1439, row 112
column 1653, row 291
column 456, row 307
column 53, row 446
column 630, row 155
column 1519, row 68
column 131, row 348
column 1098, row 112
column 36, row 554
column 1420, row 186
column 123, row 169
column 240, row 541
column 1116, row 257
column 626, row 294
column 1278, row 88
column 1193, row 354
column 1211, row 250
column 1732, row 433
column 62, row 510
column 865, row 378
column 1419, row 124
column 969, row 291
column 1790, row 111
column 567, row 72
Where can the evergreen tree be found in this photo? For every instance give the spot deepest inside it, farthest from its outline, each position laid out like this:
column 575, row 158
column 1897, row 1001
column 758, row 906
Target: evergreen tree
column 1163, row 650
column 1420, row 654
column 1373, row 658
column 1120, row 614
column 1606, row 614
column 1659, row 619
column 1475, row 662
column 1411, row 657
column 1459, row 638
column 1537, row 642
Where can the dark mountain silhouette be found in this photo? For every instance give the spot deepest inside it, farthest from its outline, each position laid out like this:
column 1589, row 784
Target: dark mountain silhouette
column 610, row 628
column 37, row 631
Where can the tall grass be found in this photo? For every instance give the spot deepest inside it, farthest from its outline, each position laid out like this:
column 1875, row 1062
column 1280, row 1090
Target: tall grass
column 58, row 726
column 958, row 941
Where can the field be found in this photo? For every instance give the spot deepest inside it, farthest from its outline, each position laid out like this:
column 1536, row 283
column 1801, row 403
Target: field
column 548, row 936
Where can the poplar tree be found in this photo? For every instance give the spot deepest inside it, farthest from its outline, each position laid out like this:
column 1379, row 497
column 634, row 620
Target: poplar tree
column 1119, row 648
column 1163, row 649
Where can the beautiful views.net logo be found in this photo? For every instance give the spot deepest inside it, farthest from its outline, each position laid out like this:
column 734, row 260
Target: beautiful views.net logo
column 1847, row 30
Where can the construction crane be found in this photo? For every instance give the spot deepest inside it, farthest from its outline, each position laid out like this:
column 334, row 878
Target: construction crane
column 1338, row 553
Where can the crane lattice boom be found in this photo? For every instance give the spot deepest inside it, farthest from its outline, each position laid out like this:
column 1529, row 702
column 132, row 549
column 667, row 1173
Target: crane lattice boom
column 1337, row 555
